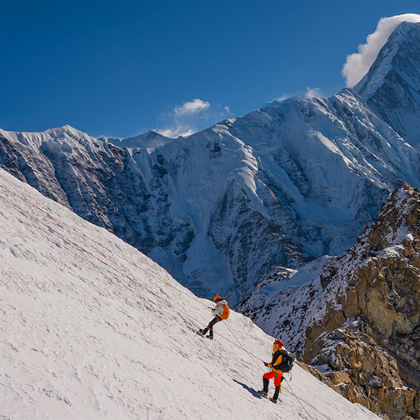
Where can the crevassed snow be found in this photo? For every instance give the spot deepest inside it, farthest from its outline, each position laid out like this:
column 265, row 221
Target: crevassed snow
column 90, row 328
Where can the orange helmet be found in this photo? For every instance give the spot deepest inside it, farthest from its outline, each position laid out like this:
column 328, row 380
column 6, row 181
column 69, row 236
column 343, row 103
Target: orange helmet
column 216, row 298
column 278, row 343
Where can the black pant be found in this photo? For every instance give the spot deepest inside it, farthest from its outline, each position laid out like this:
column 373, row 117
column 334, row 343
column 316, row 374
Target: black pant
column 276, row 389
column 212, row 323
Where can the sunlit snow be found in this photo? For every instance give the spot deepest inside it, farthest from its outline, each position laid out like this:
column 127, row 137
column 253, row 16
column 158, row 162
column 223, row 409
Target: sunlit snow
column 90, row 328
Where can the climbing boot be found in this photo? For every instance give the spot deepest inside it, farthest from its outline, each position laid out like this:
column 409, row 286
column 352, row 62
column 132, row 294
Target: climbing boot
column 276, row 393
column 263, row 393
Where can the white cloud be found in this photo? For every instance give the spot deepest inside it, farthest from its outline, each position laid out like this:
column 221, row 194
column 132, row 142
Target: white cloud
column 191, row 108
column 313, row 93
column 188, row 118
column 177, row 131
column 309, row 94
column 358, row 64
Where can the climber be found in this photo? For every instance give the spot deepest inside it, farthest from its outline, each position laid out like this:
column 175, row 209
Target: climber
column 220, row 312
column 275, row 373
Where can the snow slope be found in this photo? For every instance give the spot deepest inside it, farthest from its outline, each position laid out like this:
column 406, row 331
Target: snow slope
column 90, row 328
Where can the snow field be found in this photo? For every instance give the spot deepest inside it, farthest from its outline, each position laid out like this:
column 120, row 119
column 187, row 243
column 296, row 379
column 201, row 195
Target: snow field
column 96, row 330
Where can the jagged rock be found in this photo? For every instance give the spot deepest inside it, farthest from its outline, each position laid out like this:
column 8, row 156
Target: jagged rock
column 359, row 313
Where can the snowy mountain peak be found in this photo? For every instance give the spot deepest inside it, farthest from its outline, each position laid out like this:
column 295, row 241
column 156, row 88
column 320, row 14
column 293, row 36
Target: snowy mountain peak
column 403, row 29
column 65, row 135
column 392, row 85
column 65, row 129
column 407, row 33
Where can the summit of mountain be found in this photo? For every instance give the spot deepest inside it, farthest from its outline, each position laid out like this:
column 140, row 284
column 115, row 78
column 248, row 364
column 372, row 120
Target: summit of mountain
column 392, row 85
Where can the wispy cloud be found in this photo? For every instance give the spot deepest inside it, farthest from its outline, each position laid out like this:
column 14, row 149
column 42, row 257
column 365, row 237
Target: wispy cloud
column 309, row 94
column 283, row 97
column 188, row 118
column 191, row 108
column 358, row 64
column 312, row 93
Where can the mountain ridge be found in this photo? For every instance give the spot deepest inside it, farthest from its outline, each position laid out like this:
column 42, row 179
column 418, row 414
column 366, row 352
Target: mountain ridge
column 219, row 209
column 151, row 139
column 308, row 173
column 392, row 85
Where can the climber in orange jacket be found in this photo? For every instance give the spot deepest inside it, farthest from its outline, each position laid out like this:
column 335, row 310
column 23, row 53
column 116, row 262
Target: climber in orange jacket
column 221, row 312
column 275, row 373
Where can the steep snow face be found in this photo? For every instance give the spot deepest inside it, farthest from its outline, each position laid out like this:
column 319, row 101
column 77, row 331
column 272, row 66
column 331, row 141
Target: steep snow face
column 392, row 85
column 287, row 306
column 90, row 328
column 219, row 209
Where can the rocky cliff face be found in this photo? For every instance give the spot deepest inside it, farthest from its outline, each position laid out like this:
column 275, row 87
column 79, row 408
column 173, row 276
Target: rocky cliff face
column 357, row 316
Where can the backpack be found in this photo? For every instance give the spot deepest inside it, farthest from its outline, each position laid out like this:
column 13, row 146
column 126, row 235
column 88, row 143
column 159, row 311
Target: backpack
column 287, row 362
column 226, row 312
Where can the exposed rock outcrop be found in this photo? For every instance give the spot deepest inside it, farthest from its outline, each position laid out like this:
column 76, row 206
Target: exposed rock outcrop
column 361, row 325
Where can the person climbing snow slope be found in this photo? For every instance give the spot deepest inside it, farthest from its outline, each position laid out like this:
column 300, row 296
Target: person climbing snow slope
column 220, row 312
column 275, row 373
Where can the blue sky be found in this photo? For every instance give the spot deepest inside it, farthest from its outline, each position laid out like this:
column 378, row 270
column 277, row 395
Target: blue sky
column 120, row 68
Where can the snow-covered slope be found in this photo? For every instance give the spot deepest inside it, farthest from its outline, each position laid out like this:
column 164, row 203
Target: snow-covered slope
column 287, row 302
column 92, row 329
column 278, row 187
column 392, row 85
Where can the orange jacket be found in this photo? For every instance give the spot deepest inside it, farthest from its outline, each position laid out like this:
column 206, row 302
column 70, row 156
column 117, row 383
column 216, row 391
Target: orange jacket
column 276, row 360
column 221, row 310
